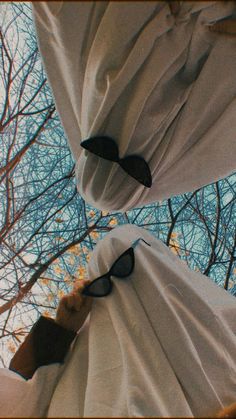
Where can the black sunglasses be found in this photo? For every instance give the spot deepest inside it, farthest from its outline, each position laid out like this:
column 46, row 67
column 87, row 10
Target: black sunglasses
column 122, row 267
column 106, row 148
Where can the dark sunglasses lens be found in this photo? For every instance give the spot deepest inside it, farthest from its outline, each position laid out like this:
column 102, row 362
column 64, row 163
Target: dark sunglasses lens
column 124, row 265
column 99, row 288
column 137, row 167
column 104, row 147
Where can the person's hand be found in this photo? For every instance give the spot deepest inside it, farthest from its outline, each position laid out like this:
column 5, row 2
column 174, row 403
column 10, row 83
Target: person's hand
column 226, row 27
column 73, row 309
column 228, row 412
column 174, row 7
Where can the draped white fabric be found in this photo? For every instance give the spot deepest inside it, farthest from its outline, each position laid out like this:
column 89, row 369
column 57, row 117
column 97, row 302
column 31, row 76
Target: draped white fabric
column 163, row 343
column 162, row 86
column 21, row 398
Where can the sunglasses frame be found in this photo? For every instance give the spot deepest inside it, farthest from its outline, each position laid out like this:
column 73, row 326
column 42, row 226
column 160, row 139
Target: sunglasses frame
column 108, row 274
column 98, row 144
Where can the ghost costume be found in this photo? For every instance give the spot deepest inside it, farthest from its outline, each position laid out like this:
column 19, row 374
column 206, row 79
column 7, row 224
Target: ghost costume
column 163, row 343
column 162, row 86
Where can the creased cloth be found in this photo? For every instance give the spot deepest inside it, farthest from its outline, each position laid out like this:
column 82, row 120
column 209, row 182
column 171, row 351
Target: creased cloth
column 21, row 398
column 163, row 343
column 162, row 86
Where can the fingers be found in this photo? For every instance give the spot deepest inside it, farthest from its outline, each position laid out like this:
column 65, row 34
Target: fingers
column 174, row 7
column 87, row 303
column 228, row 412
column 80, row 285
column 227, row 26
column 75, row 300
column 74, row 308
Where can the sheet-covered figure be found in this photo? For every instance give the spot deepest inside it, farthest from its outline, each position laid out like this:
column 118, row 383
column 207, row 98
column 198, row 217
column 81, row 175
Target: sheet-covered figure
column 149, row 94
column 162, row 343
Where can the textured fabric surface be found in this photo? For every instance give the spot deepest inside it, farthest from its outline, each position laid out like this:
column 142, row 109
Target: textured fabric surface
column 162, row 86
column 27, row 398
column 163, row 343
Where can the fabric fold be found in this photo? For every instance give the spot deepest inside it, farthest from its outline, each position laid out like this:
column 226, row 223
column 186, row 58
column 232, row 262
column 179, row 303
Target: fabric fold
column 162, row 344
column 159, row 84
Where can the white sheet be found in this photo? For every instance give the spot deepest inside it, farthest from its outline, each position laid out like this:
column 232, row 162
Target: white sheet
column 163, row 343
column 21, row 398
column 163, row 87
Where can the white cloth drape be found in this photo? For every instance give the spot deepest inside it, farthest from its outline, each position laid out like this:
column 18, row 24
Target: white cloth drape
column 162, row 86
column 163, row 343
column 21, row 398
